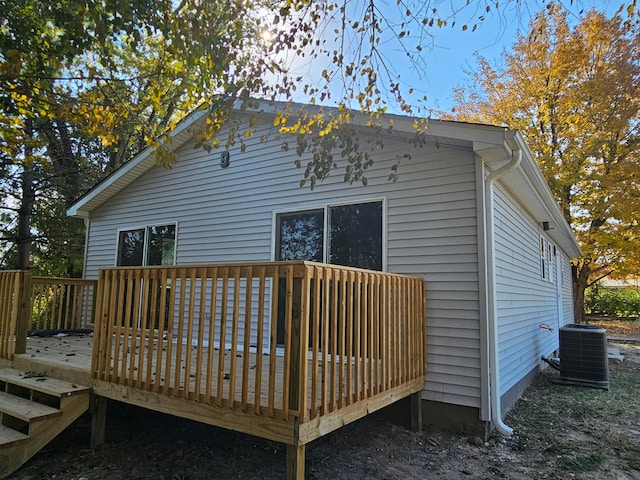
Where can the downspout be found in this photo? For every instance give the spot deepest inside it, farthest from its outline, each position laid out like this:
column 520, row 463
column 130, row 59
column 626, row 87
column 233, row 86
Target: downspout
column 492, row 314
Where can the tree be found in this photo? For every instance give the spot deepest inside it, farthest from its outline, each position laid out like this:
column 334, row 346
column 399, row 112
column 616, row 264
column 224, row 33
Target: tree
column 574, row 92
column 75, row 71
column 98, row 81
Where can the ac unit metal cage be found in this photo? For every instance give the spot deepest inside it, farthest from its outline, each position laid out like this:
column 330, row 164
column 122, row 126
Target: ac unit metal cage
column 584, row 356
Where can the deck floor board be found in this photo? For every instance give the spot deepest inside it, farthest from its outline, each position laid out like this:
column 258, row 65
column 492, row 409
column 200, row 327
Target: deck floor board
column 269, row 416
column 75, row 352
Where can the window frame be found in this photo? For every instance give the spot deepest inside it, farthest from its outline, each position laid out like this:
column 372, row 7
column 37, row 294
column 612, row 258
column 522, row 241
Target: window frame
column 145, row 246
column 547, row 252
column 326, row 239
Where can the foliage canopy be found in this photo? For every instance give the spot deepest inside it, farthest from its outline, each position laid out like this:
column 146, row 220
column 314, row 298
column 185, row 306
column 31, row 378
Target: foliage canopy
column 85, row 84
column 574, row 92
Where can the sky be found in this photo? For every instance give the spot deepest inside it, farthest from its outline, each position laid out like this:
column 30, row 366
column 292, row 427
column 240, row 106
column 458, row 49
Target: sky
column 453, row 50
column 447, row 51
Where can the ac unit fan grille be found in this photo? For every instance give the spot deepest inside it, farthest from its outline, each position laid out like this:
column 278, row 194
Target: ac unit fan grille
column 584, row 355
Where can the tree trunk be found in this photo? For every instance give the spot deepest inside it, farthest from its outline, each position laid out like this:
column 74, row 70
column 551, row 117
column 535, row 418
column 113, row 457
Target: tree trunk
column 580, row 282
column 65, row 161
column 25, row 239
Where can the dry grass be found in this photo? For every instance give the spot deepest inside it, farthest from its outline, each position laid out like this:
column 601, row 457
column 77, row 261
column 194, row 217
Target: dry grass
column 561, row 432
column 624, row 327
column 588, row 433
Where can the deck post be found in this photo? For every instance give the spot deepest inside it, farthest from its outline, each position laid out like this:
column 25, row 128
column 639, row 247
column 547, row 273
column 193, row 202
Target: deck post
column 294, row 346
column 295, row 462
column 98, row 420
column 24, row 311
column 416, row 411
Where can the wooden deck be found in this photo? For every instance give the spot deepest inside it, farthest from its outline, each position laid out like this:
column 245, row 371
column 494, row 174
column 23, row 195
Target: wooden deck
column 287, row 351
column 65, row 357
column 68, row 357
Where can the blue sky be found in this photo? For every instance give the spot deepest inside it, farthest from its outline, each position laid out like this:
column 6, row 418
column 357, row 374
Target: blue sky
column 453, row 50
column 447, row 52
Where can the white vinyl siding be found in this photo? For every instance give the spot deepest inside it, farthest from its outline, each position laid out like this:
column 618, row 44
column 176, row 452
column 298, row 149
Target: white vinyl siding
column 226, row 215
column 526, row 301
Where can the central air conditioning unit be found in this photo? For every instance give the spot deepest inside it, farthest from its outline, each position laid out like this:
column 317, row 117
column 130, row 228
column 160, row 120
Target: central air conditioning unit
column 584, row 356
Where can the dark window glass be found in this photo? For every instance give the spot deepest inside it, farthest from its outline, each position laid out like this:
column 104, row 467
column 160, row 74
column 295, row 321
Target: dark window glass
column 130, row 248
column 355, row 235
column 300, row 236
column 543, row 260
column 161, row 245
column 355, row 240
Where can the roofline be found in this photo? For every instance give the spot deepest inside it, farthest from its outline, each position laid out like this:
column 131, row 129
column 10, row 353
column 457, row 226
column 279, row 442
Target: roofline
column 488, row 141
column 119, row 179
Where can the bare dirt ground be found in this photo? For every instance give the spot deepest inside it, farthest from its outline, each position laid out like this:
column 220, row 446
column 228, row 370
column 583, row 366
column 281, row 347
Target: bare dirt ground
column 561, row 432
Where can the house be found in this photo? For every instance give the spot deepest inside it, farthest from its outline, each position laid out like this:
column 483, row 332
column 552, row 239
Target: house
column 469, row 212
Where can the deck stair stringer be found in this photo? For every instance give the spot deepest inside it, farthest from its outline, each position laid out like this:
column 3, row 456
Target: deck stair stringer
column 34, row 409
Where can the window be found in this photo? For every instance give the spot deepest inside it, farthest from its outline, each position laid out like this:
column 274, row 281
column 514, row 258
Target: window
column 547, row 259
column 353, row 235
column 345, row 234
column 301, row 236
column 130, row 247
column 152, row 245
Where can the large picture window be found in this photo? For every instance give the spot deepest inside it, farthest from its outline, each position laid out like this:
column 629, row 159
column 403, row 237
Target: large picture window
column 349, row 235
column 152, row 245
column 345, row 234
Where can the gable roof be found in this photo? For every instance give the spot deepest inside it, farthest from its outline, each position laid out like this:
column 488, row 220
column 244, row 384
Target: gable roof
column 492, row 143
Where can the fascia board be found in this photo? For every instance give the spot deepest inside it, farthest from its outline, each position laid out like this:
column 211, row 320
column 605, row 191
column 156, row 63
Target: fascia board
column 471, row 132
column 111, row 185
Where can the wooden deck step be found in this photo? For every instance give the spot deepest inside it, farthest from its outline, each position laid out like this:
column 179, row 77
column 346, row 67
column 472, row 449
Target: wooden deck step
column 24, row 409
column 9, row 435
column 28, row 421
column 39, row 383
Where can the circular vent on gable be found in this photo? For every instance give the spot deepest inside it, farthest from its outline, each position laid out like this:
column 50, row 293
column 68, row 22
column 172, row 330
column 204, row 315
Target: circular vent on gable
column 225, row 159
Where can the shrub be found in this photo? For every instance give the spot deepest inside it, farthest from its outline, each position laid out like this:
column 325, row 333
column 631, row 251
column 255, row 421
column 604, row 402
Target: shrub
column 615, row 302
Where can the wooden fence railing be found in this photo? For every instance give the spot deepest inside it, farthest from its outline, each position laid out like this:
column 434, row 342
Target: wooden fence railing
column 284, row 339
column 14, row 301
column 41, row 303
column 62, row 303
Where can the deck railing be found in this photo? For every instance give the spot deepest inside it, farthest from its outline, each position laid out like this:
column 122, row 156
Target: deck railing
column 62, row 303
column 285, row 339
column 14, row 301
column 41, row 303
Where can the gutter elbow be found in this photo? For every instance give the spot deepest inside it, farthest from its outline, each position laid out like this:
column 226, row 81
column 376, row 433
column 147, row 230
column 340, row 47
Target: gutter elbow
column 516, row 160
